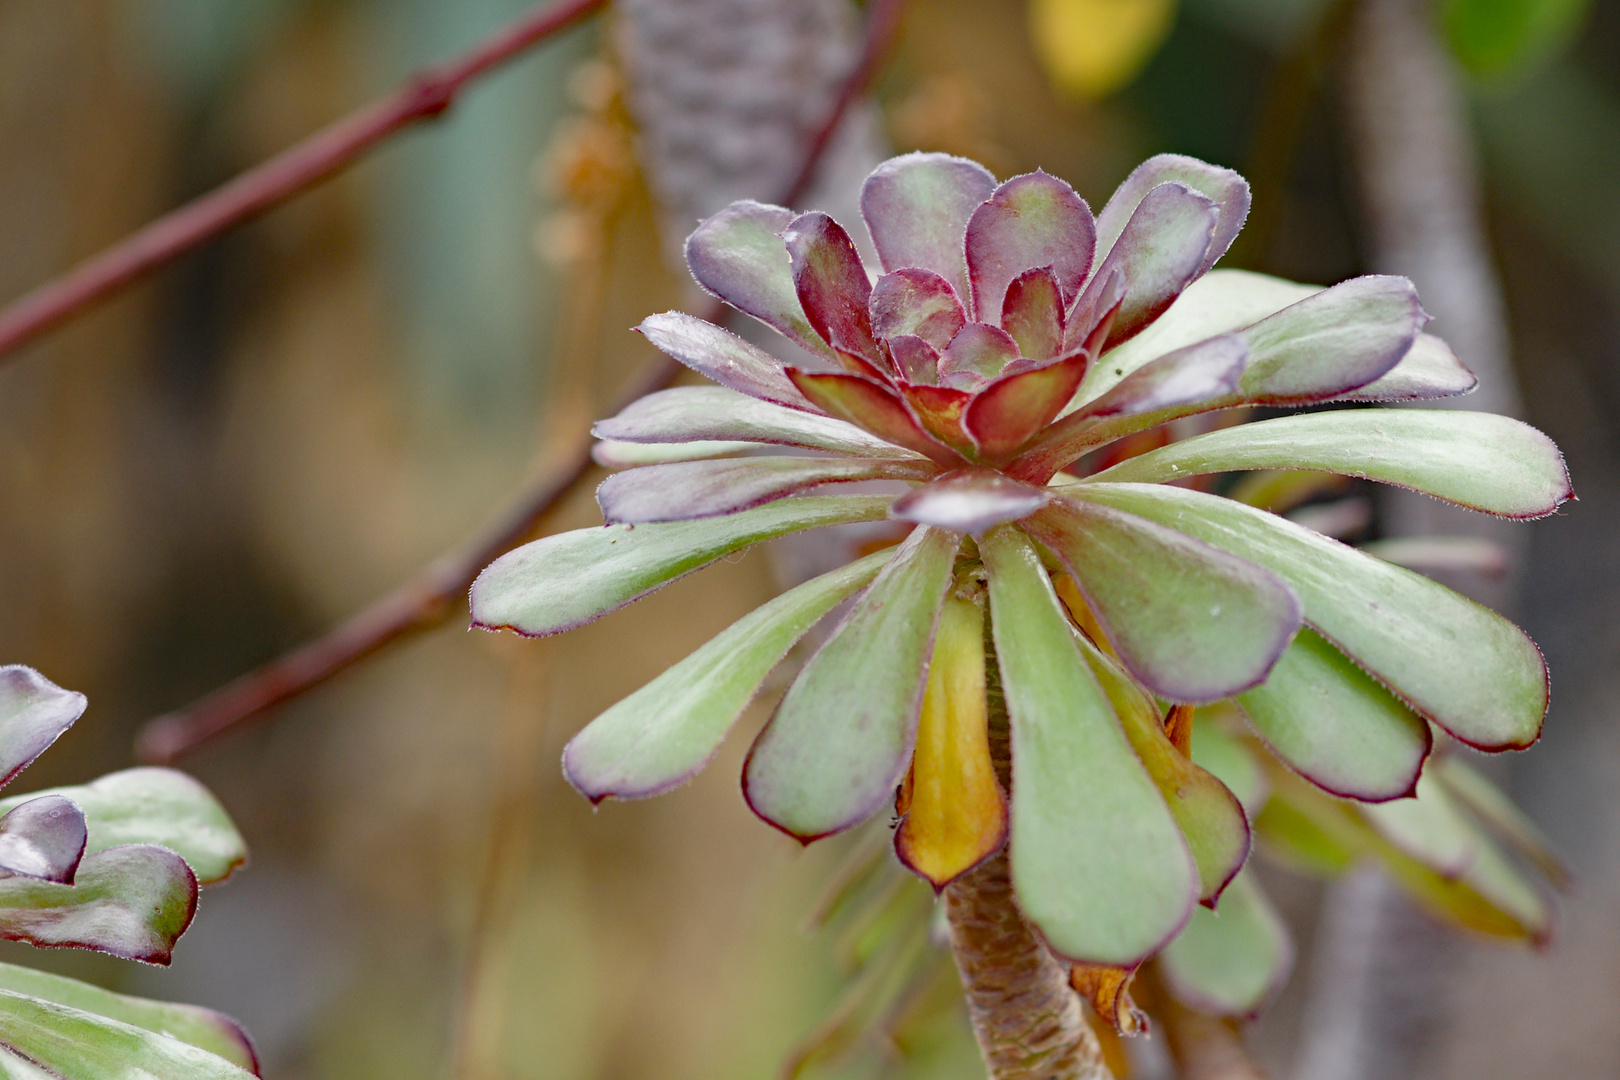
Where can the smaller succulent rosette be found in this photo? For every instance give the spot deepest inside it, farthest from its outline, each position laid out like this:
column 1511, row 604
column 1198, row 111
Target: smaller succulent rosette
column 1009, row 335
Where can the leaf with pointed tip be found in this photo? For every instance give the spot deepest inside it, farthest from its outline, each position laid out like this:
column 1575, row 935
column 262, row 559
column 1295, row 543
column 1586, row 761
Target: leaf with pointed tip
column 1033, row 313
column 1030, row 221
column 1229, row 761
column 132, row 902
column 872, row 406
column 1429, row 370
column 617, row 454
column 563, row 581
column 978, row 353
column 1193, row 623
column 1229, row 961
column 1336, row 725
column 1210, row 817
column 1160, row 252
column 1002, row 416
column 916, row 208
column 952, row 813
column 1228, row 190
column 33, row 713
column 1489, row 463
column 916, row 360
column 1430, row 827
column 843, row 734
column 71, row 1042
column 665, row 733
column 917, row 303
column 738, row 256
column 831, row 283
column 969, row 501
column 1455, row 662
column 1098, row 863
column 939, row 410
column 1498, row 814
column 686, row 490
column 157, row 806
column 43, row 838
column 203, row 1028
column 690, row 413
column 722, row 356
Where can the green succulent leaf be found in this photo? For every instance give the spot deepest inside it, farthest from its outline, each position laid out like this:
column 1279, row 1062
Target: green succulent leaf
column 70, row 1042
column 1455, row 662
column 666, row 732
column 615, row 454
column 1229, row 961
column 1429, row 370
column 33, row 713
column 686, row 413
column 686, row 490
column 1496, row 811
column 1336, row 725
column 1430, row 827
column 1227, row 758
column 842, row 736
column 203, row 1028
column 132, row 902
column 163, row 807
column 1484, row 462
column 563, row 581
column 1099, row 864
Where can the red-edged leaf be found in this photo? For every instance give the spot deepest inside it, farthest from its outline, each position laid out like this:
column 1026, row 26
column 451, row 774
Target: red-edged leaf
column 132, row 901
column 1160, row 252
column 969, row 501
column 915, row 359
column 723, row 357
column 976, row 355
column 687, row 414
column 831, row 283
column 1003, row 415
column 873, row 407
column 917, row 207
column 1091, row 316
column 684, row 490
column 939, row 410
column 43, row 838
column 1033, row 313
column 918, row 303
column 33, row 713
column 1428, row 370
column 1228, row 190
column 1031, row 220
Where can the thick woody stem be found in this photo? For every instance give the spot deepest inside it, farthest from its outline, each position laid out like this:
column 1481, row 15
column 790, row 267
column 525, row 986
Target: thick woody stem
column 1024, row 1014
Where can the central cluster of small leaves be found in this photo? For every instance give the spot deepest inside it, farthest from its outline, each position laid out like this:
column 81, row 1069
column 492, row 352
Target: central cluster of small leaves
column 1009, row 334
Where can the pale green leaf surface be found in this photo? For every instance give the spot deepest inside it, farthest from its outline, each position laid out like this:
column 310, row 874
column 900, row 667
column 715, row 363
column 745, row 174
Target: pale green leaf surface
column 563, row 581
column 1432, row 828
column 82, row 1046
column 1229, row 761
column 1498, row 813
column 1429, row 370
column 1229, row 961
column 132, row 902
column 13, row 1067
column 1098, row 862
column 1456, row 662
column 616, row 454
column 664, row 733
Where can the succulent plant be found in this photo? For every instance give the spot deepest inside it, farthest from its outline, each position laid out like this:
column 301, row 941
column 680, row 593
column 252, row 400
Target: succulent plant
column 113, row 866
column 1010, row 335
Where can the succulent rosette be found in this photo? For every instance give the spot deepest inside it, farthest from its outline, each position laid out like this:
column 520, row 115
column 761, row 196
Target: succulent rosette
column 1009, row 334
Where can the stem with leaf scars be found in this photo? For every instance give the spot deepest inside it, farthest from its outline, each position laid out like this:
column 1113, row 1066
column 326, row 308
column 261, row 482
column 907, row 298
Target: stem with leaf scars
column 1026, row 1017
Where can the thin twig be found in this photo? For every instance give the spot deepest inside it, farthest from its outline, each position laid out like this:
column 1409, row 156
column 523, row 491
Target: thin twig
column 440, row 591
column 424, row 96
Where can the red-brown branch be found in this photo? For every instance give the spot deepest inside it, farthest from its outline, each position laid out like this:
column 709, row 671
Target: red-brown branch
column 440, row 591
column 424, row 96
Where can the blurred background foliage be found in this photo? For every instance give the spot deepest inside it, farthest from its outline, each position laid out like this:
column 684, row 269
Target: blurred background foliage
column 290, row 421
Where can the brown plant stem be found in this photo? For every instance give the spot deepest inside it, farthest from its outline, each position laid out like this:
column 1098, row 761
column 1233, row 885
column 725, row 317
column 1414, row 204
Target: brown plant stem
column 440, row 591
column 426, row 95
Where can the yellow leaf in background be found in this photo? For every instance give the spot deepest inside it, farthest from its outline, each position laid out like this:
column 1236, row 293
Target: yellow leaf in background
column 1093, row 47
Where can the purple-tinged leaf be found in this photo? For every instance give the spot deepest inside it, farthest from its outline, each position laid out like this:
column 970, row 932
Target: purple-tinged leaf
column 41, row 1038
column 1431, row 827
column 1230, row 961
column 978, row 353
column 831, row 283
column 969, row 501
column 871, row 406
column 916, row 303
column 43, row 838
column 1160, row 252
column 915, row 359
column 132, row 902
column 916, row 208
column 1033, row 313
column 1098, row 862
column 1489, row 463
column 738, row 256
column 614, row 454
column 723, row 357
column 707, row 413
column 665, row 733
column 1031, row 220
column 1335, row 725
column 1004, row 415
column 1191, row 622
column 1332, row 342
column 939, row 410
column 1228, row 190
column 33, row 713
column 1455, row 662
column 1091, row 318
column 1429, row 370
column 842, row 737
column 563, row 581
column 686, row 490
